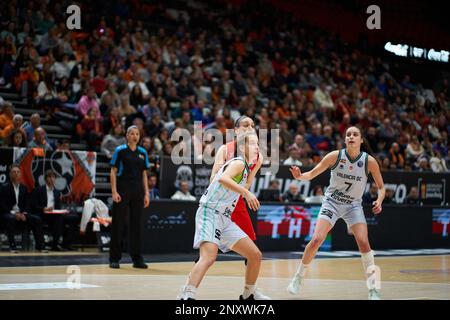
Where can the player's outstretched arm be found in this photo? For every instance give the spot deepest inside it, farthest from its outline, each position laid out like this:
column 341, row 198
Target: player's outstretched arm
column 328, row 161
column 234, row 169
column 374, row 170
column 219, row 160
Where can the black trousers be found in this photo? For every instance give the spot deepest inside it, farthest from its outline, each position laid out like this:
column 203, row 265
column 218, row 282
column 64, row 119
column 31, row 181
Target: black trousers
column 57, row 223
column 130, row 209
column 33, row 222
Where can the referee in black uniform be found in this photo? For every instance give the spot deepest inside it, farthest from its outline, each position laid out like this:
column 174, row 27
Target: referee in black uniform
column 130, row 195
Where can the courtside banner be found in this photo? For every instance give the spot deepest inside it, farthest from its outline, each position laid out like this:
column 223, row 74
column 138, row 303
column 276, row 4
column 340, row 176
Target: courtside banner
column 433, row 187
column 75, row 170
column 169, row 226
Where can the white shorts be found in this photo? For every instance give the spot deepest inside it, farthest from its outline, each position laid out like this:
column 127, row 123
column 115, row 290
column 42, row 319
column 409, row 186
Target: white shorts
column 212, row 226
column 332, row 210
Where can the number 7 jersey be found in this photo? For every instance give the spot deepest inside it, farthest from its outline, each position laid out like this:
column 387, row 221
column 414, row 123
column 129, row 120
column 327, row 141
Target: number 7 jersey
column 348, row 178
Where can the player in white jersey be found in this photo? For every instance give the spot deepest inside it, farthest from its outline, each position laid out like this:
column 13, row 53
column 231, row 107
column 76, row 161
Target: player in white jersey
column 349, row 172
column 214, row 229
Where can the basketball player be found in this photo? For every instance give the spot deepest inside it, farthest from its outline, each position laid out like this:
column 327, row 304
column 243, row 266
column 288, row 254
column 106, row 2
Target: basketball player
column 349, row 173
column 214, row 228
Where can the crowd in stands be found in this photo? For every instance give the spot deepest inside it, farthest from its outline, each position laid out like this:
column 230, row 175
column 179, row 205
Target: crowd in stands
column 196, row 65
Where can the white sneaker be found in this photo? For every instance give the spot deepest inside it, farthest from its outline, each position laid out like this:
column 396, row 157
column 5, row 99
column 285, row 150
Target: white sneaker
column 185, row 294
column 256, row 295
column 294, row 286
column 374, row 294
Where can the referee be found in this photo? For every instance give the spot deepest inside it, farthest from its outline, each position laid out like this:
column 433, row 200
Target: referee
column 130, row 195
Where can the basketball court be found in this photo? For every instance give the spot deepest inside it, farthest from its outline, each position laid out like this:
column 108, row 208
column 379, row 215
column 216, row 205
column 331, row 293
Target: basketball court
column 405, row 274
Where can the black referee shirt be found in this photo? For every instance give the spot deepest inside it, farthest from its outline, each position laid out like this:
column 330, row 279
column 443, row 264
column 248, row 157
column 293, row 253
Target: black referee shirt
column 130, row 164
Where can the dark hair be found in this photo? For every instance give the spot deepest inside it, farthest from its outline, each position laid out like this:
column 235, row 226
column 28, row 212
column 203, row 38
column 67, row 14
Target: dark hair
column 49, row 173
column 14, row 165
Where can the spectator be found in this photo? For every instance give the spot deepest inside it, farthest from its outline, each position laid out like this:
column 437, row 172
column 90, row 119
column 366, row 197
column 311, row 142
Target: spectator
column 437, row 163
column 35, row 122
column 154, row 127
column 272, row 193
column 15, row 211
column 87, row 102
column 396, row 157
column 315, row 139
column 317, row 195
column 370, row 196
column 91, row 129
column 422, row 164
column 40, row 141
column 292, row 194
column 389, row 198
column 45, row 200
column 294, row 157
column 111, row 141
column 183, row 193
column 6, row 120
column 322, row 98
column 414, row 150
column 152, row 186
column 413, row 197
column 17, row 138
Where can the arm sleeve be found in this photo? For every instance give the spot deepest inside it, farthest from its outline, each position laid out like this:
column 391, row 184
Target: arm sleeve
column 115, row 158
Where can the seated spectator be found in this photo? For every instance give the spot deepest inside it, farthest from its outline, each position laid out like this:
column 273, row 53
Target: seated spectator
column 111, row 119
column 370, row 196
column 389, row 197
column 91, row 129
column 154, row 127
column 125, row 108
column 294, row 157
column 152, row 183
column 414, row 149
column 35, row 122
column 322, row 98
column 422, row 164
column 292, row 194
column 15, row 212
column 413, row 196
column 272, row 193
column 396, row 157
column 111, row 141
column 183, row 193
column 47, row 198
column 317, row 195
column 6, row 120
column 17, row 138
column 315, row 139
column 437, row 163
column 40, row 141
column 90, row 207
column 87, row 102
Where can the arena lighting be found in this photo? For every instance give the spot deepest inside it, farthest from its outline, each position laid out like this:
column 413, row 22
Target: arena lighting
column 404, row 50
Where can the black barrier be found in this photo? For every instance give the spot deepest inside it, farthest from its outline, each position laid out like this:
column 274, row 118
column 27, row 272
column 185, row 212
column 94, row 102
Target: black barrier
column 433, row 187
column 169, row 227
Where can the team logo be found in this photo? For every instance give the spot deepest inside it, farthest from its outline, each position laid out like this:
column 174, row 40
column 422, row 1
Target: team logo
column 327, row 213
column 350, row 168
column 360, row 164
column 341, row 166
column 218, row 234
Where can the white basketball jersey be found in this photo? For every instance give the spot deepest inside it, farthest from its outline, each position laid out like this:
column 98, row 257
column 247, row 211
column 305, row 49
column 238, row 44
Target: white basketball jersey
column 219, row 198
column 348, row 178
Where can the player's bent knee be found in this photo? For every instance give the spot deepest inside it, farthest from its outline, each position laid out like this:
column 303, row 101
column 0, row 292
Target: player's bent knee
column 317, row 240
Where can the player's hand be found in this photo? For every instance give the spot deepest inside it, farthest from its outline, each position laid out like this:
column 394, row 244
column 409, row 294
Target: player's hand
column 252, row 201
column 296, row 173
column 146, row 200
column 376, row 209
column 116, row 197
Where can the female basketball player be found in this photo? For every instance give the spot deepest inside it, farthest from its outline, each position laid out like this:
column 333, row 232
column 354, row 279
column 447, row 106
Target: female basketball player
column 214, row 229
column 349, row 172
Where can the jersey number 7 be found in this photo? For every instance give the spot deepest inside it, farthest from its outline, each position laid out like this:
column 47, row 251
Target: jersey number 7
column 349, row 185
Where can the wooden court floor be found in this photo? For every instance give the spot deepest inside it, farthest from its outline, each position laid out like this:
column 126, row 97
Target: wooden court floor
column 407, row 277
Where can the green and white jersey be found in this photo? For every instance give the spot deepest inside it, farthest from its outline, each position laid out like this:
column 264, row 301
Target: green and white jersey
column 348, row 178
column 219, row 198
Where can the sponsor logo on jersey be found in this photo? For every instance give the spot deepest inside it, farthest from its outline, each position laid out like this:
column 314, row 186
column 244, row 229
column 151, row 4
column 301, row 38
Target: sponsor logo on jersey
column 341, row 166
column 343, row 161
column 350, row 168
column 360, row 163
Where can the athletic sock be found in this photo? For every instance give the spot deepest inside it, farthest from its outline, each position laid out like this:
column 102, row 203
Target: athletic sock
column 248, row 290
column 302, row 268
column 368, row 260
